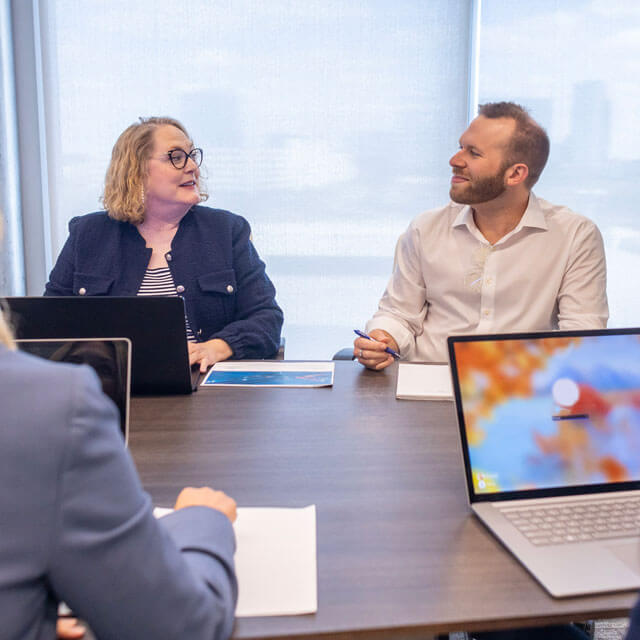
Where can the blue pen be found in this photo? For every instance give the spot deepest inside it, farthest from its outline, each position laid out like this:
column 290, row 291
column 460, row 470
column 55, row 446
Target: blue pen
column 362, row 334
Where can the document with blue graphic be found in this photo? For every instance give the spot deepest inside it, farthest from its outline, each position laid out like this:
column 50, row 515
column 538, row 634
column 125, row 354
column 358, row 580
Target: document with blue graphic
column 273, row 373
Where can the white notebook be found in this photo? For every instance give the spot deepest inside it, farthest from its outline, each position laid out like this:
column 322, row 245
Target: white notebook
column 424, row 382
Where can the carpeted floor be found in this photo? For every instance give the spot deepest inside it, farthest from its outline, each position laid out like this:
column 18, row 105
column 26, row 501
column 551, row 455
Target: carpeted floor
column 614, row 629
column 611, row 629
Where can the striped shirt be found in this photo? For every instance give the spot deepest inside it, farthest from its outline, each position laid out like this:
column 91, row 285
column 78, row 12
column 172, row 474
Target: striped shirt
column 159, row 282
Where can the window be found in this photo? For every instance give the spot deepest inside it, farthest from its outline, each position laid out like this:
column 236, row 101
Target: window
column 575, row 64
column 327, row 124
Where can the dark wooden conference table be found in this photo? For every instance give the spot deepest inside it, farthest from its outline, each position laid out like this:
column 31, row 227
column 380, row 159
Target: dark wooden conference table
column 399, row 553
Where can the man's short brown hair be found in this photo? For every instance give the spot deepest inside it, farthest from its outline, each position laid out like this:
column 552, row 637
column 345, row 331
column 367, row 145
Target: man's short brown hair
column 529, row 143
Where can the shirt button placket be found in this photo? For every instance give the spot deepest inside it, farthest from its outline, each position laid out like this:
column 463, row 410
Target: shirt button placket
column 487, row 297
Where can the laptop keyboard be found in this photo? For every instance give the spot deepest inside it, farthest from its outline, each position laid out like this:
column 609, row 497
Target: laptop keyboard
column 568, row 522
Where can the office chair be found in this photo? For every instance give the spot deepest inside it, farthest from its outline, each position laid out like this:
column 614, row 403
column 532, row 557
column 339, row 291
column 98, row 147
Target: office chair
column 344, row 354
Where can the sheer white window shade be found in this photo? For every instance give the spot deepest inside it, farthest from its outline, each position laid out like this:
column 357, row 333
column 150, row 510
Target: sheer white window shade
column 575, row 64
column 327, row 124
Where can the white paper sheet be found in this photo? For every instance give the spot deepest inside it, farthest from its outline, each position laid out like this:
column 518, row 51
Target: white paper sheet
column 424, row 382
column 275, row 560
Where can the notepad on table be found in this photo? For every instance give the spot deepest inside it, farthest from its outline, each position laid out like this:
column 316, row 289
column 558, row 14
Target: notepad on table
column 271, row 373
column 275, row 560
column 424, row 382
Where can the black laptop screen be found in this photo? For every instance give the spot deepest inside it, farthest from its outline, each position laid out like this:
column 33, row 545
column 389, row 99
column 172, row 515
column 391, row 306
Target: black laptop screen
column 110, row 359
column 155, row 326
column 540, row 413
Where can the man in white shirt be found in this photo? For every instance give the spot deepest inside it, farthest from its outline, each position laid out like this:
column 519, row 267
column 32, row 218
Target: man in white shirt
column 496, row 258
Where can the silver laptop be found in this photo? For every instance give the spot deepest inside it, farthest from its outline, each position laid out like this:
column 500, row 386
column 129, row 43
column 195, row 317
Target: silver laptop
column 550, row 433
column 109, row 357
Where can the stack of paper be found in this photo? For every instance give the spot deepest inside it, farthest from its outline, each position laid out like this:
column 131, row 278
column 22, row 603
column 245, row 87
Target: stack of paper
column 424, row 382
column 275, row 560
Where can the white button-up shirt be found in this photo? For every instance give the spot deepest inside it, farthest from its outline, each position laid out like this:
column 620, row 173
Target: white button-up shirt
column 547, row 273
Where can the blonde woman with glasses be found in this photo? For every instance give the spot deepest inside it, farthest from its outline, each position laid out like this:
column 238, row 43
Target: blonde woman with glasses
column 155, row 238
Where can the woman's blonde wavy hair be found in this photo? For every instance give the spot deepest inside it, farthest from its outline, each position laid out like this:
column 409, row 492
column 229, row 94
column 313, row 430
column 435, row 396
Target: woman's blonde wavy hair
column 123, row 196
column 6, row 337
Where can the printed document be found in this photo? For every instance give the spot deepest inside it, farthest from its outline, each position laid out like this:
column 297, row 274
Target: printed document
column 270, row 373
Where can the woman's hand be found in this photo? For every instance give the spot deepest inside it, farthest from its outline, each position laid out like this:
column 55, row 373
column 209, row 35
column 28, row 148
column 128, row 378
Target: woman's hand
column 208, row 353
column 69, row 628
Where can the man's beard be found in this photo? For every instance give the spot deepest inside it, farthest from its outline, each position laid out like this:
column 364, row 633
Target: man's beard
column 479, row 190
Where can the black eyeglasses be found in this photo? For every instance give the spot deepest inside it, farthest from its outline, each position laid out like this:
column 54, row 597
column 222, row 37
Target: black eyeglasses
column 179, row 157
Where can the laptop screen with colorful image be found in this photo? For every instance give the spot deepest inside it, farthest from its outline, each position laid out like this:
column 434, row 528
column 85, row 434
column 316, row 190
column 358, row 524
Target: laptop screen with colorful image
column 543, row 413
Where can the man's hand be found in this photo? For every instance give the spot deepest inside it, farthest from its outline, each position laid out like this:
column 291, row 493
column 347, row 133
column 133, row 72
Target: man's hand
column 69, row 629
column 208, row 353
column 371, row 353
column 206, row 497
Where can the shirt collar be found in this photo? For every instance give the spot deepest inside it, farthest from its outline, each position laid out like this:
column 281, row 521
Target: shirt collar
column 533, row 217
column 464, row 218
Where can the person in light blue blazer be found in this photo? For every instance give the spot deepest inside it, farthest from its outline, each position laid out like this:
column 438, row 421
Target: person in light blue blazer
column 77, row 527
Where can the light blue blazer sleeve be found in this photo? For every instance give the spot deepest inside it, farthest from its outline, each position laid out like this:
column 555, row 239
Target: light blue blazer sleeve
column 127, row 574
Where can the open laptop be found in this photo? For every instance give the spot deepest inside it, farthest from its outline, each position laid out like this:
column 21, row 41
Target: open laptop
column 109, row 357
column 155, row 326
column 550, row 433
